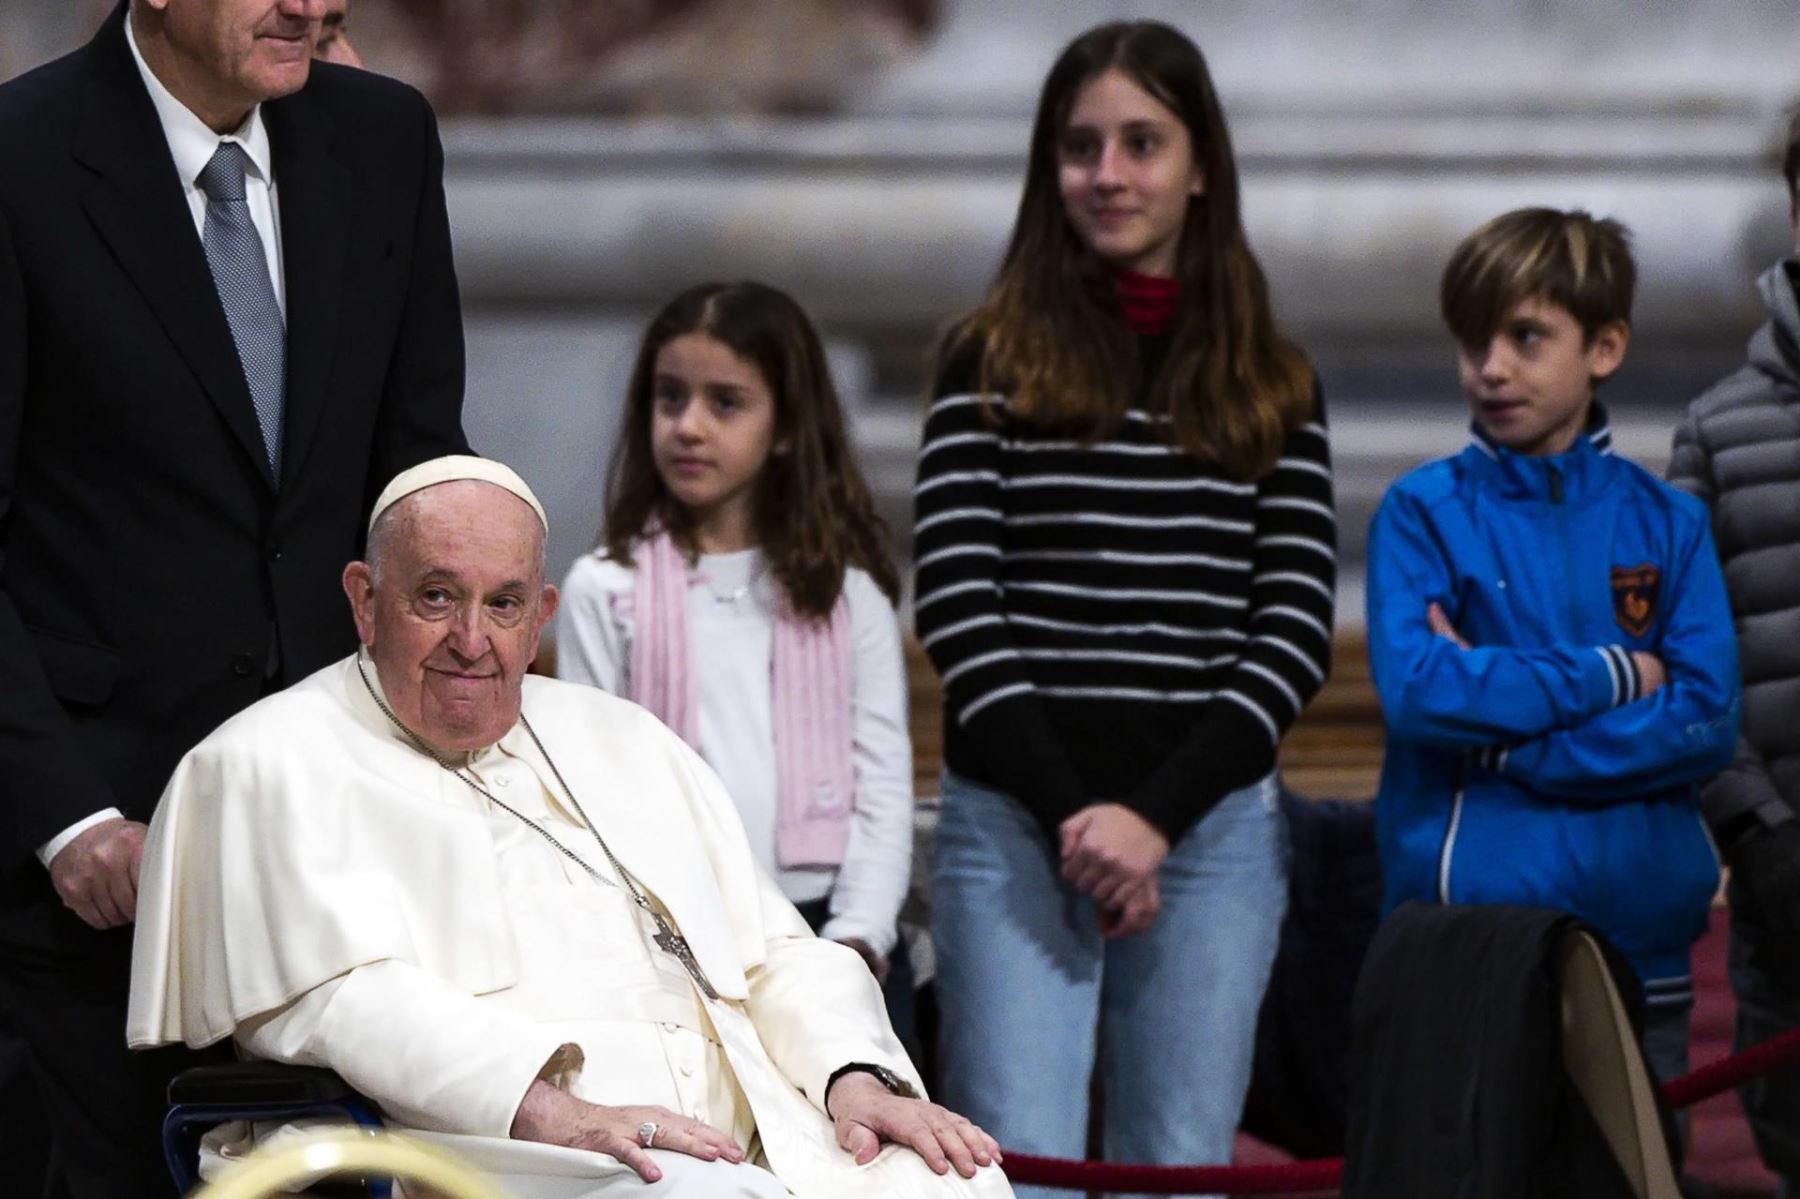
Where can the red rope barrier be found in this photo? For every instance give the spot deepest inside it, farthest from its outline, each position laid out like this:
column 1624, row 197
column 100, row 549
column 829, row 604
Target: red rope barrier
column 1727, row 1073
column 1289, row 1178
column 1302, row 1178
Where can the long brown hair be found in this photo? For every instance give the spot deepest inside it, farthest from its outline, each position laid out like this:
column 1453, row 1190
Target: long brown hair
column 1051, row 333
column 813, row 514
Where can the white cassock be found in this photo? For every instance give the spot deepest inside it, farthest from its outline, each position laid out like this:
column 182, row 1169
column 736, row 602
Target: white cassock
column 320, row 890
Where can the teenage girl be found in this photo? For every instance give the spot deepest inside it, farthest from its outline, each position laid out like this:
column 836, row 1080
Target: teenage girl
column 743, row 592
column 1126, row 564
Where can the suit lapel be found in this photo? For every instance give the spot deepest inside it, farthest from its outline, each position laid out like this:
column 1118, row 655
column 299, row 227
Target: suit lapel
column 315, row 192
column 136, row 205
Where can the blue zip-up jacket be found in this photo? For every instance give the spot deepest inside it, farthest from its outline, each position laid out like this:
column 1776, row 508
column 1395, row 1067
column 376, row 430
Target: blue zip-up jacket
column 1527, row 769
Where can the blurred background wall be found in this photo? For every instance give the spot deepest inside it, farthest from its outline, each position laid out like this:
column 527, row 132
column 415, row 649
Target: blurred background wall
column 866, row 155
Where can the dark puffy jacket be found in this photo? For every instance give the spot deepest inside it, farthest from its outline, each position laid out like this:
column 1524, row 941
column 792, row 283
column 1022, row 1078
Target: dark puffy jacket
column 1739, row 450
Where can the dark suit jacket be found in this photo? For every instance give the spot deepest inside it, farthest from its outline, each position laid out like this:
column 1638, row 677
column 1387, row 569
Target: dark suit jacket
column 147, row 559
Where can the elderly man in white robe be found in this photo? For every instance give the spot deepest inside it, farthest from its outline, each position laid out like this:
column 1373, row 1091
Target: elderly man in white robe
column 519, row 914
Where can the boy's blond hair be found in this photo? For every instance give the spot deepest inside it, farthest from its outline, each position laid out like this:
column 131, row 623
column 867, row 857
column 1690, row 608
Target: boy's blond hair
column 1576, row 261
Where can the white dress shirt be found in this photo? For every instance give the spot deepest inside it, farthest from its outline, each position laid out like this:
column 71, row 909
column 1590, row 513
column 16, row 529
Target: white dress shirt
column 192, row 145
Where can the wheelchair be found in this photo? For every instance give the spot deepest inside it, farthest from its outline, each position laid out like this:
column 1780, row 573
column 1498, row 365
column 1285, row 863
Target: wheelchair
column 271, row 1172
column 203, row 1097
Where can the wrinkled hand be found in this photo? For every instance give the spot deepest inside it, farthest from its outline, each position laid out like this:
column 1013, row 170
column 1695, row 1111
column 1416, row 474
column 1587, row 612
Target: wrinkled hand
column 1441, row 626
column 1652, row 674
column 554, row 1117
column 1136, row 915
column 96, row 874
column 1108, row 851
column 865, row 1113
column 1765, row 872
column 877, row 964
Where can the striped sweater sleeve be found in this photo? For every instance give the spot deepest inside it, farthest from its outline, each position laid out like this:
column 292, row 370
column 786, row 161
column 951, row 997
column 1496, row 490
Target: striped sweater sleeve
column 958, row 521
column 1288, row 654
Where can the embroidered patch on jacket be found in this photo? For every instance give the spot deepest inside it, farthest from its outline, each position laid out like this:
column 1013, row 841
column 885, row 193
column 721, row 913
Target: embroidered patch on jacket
column 1634, row 597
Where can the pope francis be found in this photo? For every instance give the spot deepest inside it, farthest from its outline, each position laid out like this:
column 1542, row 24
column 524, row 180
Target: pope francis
column 519, row 914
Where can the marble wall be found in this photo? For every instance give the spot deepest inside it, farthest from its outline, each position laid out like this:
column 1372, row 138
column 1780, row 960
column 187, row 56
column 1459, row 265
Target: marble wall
column 1372, row 134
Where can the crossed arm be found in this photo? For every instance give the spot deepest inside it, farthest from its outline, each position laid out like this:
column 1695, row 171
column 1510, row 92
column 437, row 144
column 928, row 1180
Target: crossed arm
column 1588, row 724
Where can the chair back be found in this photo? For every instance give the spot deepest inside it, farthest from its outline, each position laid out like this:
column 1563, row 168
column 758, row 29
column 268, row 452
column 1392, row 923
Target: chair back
column 1600, row 1053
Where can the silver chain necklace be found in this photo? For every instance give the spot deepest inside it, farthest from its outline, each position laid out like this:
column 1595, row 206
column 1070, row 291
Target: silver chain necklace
column 731, row 598
column 727, row 597
column 667, row 939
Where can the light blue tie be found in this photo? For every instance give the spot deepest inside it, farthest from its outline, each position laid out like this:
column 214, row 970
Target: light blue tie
column 240, row 270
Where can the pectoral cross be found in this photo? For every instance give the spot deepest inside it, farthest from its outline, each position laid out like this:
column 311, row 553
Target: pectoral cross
column 672, row 942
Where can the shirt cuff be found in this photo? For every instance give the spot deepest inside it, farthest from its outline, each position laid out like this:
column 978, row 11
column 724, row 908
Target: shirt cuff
column 490, row 1102
column 849, row 927
column 1491, row 758
column 1618, row 678
column 48, row 850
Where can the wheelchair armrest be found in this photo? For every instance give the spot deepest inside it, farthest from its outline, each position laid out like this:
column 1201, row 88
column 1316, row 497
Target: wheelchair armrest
column 256, row 1084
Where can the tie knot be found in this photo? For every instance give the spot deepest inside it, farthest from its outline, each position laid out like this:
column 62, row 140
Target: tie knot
column 223, row 177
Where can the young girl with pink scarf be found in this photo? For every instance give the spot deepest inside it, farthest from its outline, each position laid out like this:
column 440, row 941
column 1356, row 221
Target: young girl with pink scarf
column 743, row 592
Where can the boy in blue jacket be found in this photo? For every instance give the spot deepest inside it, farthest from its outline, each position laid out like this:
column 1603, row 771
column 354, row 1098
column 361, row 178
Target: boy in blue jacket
column 1548, row 629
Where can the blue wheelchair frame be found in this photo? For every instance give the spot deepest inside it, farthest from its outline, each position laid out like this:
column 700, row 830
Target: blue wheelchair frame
column 207, row 1096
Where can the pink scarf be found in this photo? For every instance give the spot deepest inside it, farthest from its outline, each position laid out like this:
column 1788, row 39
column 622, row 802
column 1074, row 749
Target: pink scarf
column 809, row 698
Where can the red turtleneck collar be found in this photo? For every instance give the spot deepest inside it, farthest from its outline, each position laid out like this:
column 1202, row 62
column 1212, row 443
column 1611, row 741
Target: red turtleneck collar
column 1148, row 300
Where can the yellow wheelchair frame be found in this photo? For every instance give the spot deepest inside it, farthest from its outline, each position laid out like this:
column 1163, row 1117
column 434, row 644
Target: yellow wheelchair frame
column 271, row 1170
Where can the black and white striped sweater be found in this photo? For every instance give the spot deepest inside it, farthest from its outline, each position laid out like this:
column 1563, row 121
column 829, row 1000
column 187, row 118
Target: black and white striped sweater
column 1117, row 620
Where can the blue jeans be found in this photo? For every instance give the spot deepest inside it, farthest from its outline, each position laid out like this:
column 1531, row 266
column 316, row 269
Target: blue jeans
column 1666, row 1040
column 1029, row 991
column 1666, row 1036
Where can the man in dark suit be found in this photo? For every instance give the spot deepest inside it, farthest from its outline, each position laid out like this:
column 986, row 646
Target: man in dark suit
column 228, row 316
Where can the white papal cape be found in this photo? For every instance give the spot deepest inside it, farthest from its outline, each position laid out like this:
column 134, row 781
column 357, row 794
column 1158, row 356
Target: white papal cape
column 317, row 888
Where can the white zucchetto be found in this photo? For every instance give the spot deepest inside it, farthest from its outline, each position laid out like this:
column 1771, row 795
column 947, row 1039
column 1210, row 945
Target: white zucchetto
column 452, row 468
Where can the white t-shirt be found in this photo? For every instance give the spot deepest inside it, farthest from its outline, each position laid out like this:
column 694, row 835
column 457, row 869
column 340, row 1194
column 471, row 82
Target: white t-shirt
column 731, row 621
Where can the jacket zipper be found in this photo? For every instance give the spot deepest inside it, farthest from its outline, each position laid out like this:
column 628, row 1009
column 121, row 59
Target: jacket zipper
column 1448, row 849
column 1554, row 480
